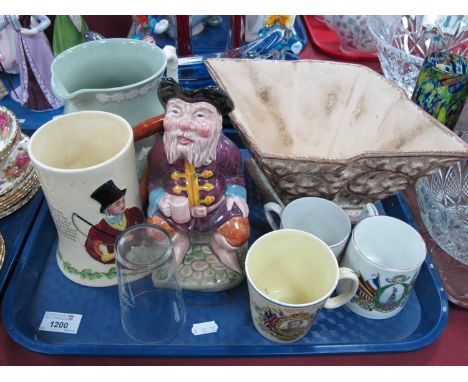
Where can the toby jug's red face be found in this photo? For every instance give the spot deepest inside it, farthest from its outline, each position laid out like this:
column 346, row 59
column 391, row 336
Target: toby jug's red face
column 191, row 131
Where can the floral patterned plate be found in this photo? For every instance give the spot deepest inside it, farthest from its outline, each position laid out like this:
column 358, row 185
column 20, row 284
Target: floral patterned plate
column 20, row 202
column 9, row 131
column 10, row 198
column 15, row 167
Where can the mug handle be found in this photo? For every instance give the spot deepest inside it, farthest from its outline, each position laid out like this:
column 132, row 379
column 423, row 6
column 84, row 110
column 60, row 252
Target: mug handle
column 269, row 209
column 343, row 298
column 369, row 210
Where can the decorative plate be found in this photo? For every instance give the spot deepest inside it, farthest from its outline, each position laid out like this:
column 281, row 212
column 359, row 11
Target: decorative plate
column 20, row 203
column 15, row 167
column 10, row 198
column 9, row 131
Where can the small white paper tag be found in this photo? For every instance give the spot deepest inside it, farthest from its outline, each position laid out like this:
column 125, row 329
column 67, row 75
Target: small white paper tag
column 204, row 328
column 21, row 120
column 60, row 322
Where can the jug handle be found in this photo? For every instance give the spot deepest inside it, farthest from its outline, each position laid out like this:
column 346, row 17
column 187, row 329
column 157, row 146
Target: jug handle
column 148, row 127
column 140, row 131
column 172, row 62
column 153, row 125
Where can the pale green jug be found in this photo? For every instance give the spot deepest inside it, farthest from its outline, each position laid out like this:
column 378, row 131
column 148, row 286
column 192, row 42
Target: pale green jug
column 118, row 75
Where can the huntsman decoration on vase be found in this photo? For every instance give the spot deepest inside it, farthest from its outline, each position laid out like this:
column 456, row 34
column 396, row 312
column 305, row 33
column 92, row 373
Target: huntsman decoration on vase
column 196, row 188
column 117, row 218
column 101, row 236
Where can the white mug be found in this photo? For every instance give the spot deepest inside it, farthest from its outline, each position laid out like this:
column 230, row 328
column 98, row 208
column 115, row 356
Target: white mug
column 318, row 216
column 85, row 162
column 291, row 275
column 387, row 254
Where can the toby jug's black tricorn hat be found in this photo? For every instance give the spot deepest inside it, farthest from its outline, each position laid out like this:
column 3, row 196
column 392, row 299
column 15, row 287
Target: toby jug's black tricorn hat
column 212, row 94
column 107, row 194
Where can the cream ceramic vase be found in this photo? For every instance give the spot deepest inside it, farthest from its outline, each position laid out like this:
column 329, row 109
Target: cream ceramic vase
column 85, row 162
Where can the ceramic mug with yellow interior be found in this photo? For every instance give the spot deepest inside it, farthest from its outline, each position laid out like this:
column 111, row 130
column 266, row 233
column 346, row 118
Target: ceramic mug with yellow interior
column 291, row 276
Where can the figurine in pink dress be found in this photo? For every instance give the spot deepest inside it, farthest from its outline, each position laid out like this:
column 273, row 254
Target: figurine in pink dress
column 195, row 174
column 34, row 56
column 8, row 46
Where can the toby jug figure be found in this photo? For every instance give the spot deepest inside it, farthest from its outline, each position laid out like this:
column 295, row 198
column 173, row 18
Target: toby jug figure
column 196, row 186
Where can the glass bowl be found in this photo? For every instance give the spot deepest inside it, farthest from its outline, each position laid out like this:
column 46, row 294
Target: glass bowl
column 403, row 42
column 443, row 203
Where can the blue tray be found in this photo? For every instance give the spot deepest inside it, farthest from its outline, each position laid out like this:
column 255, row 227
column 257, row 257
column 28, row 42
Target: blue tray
column 15, row 229
column 38, row 286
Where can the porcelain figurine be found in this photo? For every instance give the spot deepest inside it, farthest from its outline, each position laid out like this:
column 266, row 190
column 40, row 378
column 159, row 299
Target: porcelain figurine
column 8, row 57
column 196, row 184
column 69, row 30
column 34, row 59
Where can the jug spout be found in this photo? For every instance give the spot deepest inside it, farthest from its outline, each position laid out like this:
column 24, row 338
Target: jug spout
column 119, row 76
column 59, row 88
